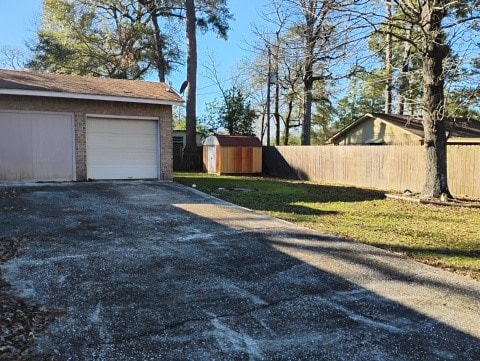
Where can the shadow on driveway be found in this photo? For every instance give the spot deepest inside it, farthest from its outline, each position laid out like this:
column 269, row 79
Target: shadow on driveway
column 158, row 271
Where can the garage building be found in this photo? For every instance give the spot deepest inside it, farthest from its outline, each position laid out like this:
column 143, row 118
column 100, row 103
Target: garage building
column 62, row 128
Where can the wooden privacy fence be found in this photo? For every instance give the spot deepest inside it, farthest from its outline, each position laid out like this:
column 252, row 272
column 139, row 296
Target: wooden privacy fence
column 186, row 162
column 389, row 167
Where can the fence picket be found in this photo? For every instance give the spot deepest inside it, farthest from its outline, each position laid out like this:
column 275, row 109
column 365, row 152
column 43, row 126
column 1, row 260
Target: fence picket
column 387, row 167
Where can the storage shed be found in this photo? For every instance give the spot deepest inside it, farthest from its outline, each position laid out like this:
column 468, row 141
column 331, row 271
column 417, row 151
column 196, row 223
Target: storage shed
column 232, row 154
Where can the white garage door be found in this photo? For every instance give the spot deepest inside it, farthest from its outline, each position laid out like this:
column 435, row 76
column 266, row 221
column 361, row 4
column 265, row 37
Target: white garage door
column 122, row 148
column 36, row 146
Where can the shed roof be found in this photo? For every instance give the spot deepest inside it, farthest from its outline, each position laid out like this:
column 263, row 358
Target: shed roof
column 81, row 87
column 455, row 127
column 233, row 141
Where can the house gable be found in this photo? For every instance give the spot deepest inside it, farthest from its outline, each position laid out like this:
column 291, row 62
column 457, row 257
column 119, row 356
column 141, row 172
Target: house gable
column 374, row 130
column 379, row 128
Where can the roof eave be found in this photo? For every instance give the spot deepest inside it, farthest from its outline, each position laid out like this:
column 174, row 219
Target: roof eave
column 460, row 140
column 51, row 94
column 346, row 128
column 404, row 129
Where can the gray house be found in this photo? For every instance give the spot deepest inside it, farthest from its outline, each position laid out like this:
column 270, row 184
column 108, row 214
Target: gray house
column 63, row 128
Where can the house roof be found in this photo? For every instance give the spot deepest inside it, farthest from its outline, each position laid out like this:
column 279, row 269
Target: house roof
column 455, row 127
column 71, row 86
column 233, row 141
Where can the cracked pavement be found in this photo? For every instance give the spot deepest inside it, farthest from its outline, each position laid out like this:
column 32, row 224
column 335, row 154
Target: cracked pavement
column 158, row 271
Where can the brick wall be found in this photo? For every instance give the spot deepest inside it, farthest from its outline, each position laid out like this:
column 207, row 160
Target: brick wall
column 80, row 108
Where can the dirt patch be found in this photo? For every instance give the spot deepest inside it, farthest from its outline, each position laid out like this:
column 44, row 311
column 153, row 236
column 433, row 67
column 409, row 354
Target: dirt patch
column 20, row 323
column 11, row 192
column 237, row 189
column 469, row 273
column 448, row 202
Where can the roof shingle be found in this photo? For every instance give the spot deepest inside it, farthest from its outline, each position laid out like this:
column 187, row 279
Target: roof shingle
column 456, row 127
column 46, row 84
column 233, row 140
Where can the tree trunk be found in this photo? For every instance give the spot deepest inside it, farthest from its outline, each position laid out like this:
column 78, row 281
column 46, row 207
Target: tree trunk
column 190, row 155
column 435, row 140
column 151, row 7
column 307, row 112
column 277, row 90
column 277, row 113
column 160, row 61
column 309, row 10
column 269, row 83
column 287, row 122
column 308, row 85
column 403, row 79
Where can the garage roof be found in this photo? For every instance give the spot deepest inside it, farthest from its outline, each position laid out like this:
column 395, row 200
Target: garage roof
column 80, row 87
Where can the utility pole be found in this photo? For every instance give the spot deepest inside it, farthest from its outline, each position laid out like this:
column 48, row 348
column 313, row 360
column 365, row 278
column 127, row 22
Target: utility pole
column 274, row 80
column 268, row 96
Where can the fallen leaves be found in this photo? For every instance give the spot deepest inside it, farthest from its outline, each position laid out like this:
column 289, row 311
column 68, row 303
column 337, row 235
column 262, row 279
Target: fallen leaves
column 10, row 192
column 20, row 322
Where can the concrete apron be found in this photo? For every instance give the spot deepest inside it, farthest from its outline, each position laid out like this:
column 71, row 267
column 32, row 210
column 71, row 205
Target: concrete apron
column 149, row 271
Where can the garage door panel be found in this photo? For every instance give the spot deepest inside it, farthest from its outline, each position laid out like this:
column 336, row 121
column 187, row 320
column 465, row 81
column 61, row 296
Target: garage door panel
column 36, row 146
column 47, row 156
column 16, row 151
column 134, row 139
column 122, row 148
column 116, row 171
column 131, row 159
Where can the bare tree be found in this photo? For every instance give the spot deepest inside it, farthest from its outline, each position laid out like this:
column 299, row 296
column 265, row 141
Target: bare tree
column 317, row 31
column 305, row 39
column 12, row 58
column 322, row 30
column 271, row 48
column 403, row 77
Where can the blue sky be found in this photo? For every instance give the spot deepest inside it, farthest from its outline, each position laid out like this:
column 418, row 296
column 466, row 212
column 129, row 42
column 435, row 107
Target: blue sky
column 20, row 19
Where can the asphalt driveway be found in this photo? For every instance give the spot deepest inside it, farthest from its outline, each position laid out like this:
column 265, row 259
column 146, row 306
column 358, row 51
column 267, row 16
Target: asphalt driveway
column 159, row 271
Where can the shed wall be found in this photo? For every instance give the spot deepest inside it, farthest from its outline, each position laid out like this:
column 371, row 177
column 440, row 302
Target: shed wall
column 239, row 160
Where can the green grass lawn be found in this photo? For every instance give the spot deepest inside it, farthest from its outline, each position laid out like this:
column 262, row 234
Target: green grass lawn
column 446, row 237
